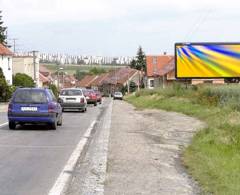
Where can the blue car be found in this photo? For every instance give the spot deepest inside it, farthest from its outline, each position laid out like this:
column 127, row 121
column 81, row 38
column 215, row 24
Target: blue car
column 34, row 106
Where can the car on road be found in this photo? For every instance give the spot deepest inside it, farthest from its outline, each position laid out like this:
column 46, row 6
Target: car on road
column 99, row 96
column 73, row 98
column 91, row 96
column 34, row 105
column 118, row 95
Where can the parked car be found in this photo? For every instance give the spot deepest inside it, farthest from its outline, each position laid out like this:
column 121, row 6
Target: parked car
column 118, row 95
column 91, row 96
column 73, row 98
column 34, row 105
column 99, row 96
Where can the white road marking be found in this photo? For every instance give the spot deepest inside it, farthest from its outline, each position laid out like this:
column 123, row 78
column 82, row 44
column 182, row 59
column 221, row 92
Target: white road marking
column 3, row 124
column 64, row 177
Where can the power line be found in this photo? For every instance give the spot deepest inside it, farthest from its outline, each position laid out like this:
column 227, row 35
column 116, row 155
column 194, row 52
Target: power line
column 198, row 23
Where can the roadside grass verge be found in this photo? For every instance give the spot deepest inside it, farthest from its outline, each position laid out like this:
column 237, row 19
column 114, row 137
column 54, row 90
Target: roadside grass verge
column 213, row 157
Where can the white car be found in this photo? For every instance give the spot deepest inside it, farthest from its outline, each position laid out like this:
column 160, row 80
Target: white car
column 118, row 95
column 73, row 98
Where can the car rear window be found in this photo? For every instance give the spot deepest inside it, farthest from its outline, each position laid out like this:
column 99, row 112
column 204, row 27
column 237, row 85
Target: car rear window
column 118, row 93
column 71, row 92
column 30, row 96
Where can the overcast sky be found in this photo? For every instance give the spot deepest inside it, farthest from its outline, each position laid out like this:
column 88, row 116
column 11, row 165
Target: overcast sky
column 118, row 27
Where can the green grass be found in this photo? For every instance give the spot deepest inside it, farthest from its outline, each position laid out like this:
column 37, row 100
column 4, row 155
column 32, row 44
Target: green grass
column 71, row 69
column 213, row 158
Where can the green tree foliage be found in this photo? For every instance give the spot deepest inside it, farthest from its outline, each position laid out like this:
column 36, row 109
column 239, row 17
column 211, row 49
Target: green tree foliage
column 2, row 32
column 79, row 75
column 133, row 64
column 132, row 87
column 96, row 71
column 54, row 89
column 5, row 90
column 23, row 80
column 141, row 60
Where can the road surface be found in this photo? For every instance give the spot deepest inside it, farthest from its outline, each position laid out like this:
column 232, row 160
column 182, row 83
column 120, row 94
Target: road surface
column 33, row 157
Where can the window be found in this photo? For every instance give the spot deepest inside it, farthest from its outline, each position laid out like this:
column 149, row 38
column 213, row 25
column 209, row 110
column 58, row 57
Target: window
column 151, row 83
column 70, row 92
column 9, row 68
column 30, row 96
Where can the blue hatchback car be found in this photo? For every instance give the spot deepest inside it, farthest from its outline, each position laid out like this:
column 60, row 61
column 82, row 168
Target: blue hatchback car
column 34, row 105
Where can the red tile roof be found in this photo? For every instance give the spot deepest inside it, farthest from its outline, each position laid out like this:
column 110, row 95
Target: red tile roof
column 119, row 76
column 161, row 66
column 44, row 79
column 5, row 51
column 99, row 79
column 86, row 81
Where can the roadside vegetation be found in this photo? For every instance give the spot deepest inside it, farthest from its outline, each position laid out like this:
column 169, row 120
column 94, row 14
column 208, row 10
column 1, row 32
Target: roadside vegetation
column 213, row 158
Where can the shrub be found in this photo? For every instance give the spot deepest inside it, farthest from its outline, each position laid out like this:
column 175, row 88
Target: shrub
column 23, row 80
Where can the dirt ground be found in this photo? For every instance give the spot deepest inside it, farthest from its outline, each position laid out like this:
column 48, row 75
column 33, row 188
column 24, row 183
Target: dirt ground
column 144, row 152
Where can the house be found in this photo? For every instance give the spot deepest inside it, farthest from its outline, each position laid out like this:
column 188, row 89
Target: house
column 28, row 65
column 120, row 78
column 68, row 81
column 86, row 81
column 160, row 70
column 45, row 77
column 111, row 81
column 6, row 63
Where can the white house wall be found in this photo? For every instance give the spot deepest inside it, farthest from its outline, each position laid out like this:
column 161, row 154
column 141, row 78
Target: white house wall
column 6, row 65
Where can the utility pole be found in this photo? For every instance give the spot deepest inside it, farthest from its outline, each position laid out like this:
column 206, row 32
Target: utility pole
column 14, row 44
column 34, row 67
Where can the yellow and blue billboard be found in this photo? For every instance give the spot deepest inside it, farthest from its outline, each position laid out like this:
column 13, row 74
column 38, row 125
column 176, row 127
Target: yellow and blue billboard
column 207, row 60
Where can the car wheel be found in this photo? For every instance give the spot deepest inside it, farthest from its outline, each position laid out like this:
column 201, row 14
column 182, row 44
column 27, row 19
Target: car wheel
column 12, row 125
column 60, row 122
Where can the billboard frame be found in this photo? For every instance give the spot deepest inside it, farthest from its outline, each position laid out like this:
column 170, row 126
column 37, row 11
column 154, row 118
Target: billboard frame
column 200, row 43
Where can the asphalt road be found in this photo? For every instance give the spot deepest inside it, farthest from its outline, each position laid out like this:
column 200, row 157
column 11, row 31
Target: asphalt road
column 33, row 157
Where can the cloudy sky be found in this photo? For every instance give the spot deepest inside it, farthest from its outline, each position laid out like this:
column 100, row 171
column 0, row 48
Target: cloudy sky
column 114, row 27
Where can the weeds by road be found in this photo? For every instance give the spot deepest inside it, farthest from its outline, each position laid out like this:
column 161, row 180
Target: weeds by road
column 213, row 158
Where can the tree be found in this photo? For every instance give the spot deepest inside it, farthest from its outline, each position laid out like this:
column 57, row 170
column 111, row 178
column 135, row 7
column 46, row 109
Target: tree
column 133, row 64
column 96, row 71
column 54, row 89
column 5, row 92
column 79, row 75
column 132, row 87
column 141, row 60
column 23, row 80
column 2, row 32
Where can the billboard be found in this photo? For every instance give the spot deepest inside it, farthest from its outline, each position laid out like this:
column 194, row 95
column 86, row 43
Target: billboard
column 207, row 60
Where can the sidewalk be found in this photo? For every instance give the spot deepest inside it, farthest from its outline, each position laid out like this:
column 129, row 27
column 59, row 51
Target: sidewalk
column 3, row 107
column 144, row 152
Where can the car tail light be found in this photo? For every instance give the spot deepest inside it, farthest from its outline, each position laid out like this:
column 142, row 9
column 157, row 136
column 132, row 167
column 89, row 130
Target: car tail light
column 10, row 107
column 82, row 100
column 51, row 108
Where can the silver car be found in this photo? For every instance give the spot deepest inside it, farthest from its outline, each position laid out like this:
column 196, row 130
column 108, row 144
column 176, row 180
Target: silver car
column 118, row 95
column 73, row 98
